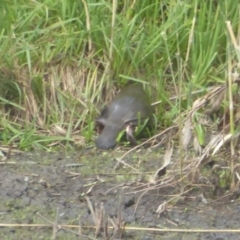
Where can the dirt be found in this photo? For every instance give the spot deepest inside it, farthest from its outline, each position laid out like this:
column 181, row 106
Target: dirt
column 37, row 185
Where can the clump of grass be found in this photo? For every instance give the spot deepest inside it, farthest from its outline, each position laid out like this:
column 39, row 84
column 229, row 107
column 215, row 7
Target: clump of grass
column 63, row 60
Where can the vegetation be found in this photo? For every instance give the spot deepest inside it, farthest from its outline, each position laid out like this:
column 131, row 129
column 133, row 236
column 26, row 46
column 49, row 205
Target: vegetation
column 61, row 61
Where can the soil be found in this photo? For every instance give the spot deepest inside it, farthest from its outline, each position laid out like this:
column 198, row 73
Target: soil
column 38, row 186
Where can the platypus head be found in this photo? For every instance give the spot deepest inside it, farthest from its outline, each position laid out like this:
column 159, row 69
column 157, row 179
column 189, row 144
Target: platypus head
column 108, row 136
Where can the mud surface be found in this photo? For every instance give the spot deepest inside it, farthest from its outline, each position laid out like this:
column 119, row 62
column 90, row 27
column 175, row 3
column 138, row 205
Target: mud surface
column 37, row 184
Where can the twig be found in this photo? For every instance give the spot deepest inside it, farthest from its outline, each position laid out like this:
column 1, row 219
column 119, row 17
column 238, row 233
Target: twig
column 92, row 210
column 38, row 214
column 143, row 143
column 130, row 228
column 9, row 151
column 80, row 225
column 55, row 226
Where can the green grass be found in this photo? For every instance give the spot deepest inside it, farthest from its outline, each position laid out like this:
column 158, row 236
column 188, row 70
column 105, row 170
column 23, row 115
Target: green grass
column 60, row 61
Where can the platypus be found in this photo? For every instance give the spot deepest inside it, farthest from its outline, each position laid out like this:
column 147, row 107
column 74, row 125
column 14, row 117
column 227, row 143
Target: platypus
column 124, row 112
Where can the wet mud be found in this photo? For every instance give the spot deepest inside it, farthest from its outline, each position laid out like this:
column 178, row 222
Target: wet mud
column 36, row 185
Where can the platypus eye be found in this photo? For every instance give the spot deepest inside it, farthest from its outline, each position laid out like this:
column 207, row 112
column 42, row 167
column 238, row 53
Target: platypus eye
column 104, row 112
column 100, row 124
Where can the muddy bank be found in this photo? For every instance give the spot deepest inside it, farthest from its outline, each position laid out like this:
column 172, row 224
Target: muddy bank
column 41, row 182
